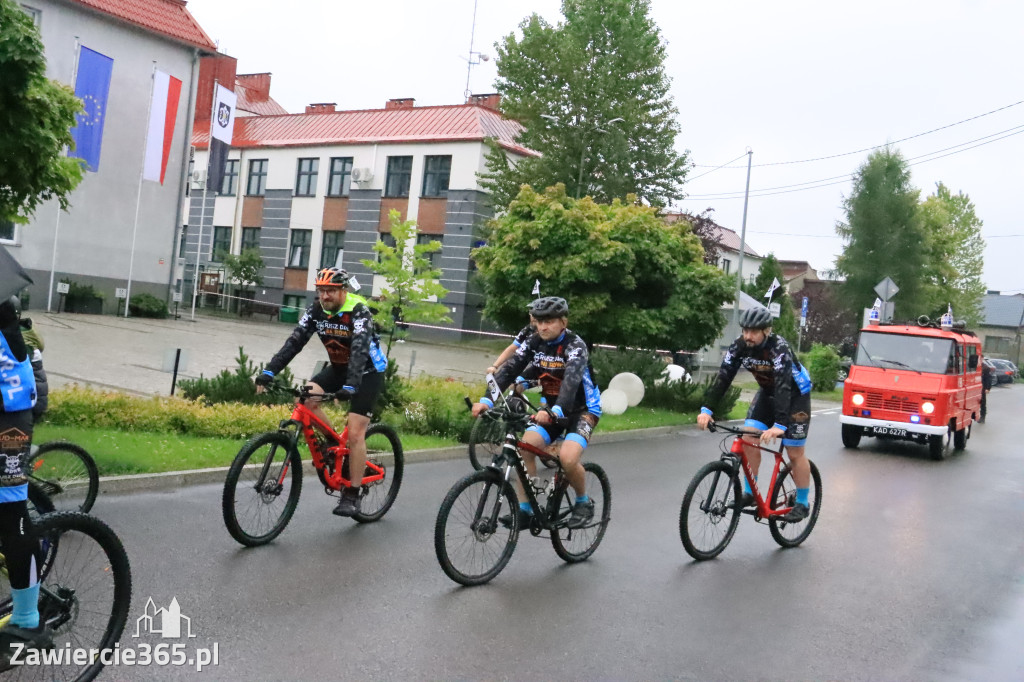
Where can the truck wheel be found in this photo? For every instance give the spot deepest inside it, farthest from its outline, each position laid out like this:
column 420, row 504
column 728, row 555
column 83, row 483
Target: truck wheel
column 851, row 435
column 939, row 446
column 960, row 439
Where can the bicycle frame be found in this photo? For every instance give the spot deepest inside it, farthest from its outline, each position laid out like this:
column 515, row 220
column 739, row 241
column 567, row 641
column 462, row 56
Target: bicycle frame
column 512, row 459
column 737, row 457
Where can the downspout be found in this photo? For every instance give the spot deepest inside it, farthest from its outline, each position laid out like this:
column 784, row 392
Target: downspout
column 184, row 166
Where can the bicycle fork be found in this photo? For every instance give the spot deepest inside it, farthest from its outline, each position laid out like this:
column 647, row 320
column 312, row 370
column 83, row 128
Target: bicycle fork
column 261, row 486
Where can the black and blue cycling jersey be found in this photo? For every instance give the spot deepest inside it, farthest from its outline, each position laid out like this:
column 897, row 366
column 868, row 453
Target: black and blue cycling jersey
column 17, row 396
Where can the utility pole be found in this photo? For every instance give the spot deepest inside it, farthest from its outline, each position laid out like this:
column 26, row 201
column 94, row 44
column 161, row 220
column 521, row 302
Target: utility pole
column 743, row 243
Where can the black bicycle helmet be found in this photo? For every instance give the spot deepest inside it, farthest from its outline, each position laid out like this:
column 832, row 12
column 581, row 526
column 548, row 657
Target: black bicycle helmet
column 549, row 308
column 756, row 317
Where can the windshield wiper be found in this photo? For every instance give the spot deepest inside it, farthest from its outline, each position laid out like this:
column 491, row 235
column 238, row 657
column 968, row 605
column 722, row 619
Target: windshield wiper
column 900, row 364
column 871, row 359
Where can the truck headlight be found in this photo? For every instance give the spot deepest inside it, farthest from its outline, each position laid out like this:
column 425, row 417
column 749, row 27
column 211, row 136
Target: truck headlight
column 927, row 408
column 857, row 399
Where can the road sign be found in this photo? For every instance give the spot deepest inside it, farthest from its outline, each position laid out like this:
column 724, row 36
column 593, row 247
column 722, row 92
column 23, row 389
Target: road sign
column 176, row 297
column 886, row 289
column 803, row 308
column 775, row 309
column 120, row 293
column 63, row 287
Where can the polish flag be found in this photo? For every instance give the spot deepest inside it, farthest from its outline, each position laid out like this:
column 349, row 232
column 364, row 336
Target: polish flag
column 162, row 114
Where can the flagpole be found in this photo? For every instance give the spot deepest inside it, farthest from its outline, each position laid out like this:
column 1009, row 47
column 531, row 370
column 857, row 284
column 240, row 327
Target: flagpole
column 202, row 208
column 56, row 225
column 138, row 197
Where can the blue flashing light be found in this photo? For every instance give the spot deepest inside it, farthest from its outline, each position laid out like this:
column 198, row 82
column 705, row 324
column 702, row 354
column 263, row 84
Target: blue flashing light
column 915, row 418
column 866, row 413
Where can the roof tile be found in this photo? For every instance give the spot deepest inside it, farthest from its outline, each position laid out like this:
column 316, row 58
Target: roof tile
column 165, row 17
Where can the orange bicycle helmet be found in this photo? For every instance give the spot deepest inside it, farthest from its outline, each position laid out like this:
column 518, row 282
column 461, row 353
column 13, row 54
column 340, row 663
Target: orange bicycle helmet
column 332, row 277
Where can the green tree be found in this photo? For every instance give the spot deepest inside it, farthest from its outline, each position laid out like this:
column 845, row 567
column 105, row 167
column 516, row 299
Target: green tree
column 410, row 279
column 630, row 279
column 245, row 268
column 36, row 117
column 884, row 236
column 785, row 325
column 593, row 97
column 956, row 254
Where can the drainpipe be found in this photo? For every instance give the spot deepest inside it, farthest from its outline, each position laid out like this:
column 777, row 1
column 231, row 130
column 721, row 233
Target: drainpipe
column 184, row 167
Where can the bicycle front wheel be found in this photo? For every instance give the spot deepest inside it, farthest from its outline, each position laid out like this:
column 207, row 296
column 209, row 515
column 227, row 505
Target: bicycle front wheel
column 784, row 495
column 84, row 595
column 262, row 489
column 708, row 516
column 384, row 449
column 67, row 473
column 486, row 439
column 577, row 544
column 471, row 543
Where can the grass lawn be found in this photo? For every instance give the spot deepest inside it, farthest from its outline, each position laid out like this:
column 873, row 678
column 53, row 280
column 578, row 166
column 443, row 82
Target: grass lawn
column 133, row 452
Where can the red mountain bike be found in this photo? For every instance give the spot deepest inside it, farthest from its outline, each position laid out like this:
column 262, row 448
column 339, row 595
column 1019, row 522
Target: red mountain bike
column 711, row 507
column 263, row 484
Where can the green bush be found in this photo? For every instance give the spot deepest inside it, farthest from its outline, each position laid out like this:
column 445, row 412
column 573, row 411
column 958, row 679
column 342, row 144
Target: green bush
column 822, row 363
column 237, row 386
column 688, row 397
column 647, row 365
column 394, row 395
column 147, row 305
column 437, row 406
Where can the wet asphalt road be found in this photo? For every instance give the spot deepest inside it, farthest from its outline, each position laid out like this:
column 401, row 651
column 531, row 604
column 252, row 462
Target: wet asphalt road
column 915, row 571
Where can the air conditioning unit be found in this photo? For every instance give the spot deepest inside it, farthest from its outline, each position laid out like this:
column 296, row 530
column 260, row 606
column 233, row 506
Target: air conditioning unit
column 362, row 175
column 199, row 179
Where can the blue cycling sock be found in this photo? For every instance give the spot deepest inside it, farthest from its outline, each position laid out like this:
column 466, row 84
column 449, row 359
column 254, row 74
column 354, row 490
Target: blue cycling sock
column 802, row 495
column 746, row 485
column 525, row 506
column 583, row 498
column 26, row 607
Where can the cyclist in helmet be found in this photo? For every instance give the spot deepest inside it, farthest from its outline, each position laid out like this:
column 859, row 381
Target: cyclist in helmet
column 344, row 323
column 783, row 400
column 519, row 339
column 558, row 359
column 20, row 548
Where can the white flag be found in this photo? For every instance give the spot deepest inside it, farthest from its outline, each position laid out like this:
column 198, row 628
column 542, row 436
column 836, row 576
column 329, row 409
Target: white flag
column 878, row 303
column 163, row 113
column 223, row 124
column 775, row 285
column 536, row 287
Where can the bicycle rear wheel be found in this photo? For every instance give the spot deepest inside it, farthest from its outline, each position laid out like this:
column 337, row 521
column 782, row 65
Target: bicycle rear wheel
column 486, row 439
column 67, row 473
column 577, row 544
column 784, row 495
column 384, row 449
column 85, row 594
column 708, row 516
column 262, row 489
column 472, row 546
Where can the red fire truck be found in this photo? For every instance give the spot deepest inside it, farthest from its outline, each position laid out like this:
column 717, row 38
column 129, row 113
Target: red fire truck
column 914, row 382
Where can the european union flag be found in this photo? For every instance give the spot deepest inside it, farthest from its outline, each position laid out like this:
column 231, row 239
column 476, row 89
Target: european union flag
column 91, row 86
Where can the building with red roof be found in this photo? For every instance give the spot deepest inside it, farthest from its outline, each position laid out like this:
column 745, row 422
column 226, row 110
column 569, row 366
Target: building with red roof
column 315, row 189
column 118, row 228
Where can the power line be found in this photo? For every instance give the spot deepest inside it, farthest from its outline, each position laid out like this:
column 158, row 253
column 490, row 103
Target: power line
column 879, row 146
column 715, row 168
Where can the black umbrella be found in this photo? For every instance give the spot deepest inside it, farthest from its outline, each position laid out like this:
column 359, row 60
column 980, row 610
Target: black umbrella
column 13, row 277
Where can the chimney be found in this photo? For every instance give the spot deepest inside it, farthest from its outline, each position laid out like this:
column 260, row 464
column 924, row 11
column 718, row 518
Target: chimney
column 257, row 85
column 491, row 100
column 401, row 103
column 321, row 108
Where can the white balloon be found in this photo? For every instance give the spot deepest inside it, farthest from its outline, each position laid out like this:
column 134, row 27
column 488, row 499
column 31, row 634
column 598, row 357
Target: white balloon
column 613, row 401
column 674, row 373
column 631, row 385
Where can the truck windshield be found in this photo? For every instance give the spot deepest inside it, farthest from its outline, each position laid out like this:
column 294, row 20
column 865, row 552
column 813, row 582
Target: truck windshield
column 900, row 351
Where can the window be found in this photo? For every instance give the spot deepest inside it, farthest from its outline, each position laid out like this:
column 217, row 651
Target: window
column 726, row 263
column 399, row 176
column 435, row 256
column 972, row 358
column 6, row 231
column 436, row 173
column 257, row 178
column 388, row 241
column 298, row 253
column 333, row 249
column 181, row 244
column 340, row 180
column 221, row 243
column 35, row 14
column 997, row 344
column 250, row 238
column 305, row 178
column 230, row 184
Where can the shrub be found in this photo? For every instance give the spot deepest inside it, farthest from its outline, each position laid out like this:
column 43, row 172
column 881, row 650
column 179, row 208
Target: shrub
column 437, row 406
column 394, row 395
column 647, row 365
column 237, row 386
column 822, row 363
column 688, row 397
column 147, row 305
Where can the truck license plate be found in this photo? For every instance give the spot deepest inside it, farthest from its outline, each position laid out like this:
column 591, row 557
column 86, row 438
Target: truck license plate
column 888, row 431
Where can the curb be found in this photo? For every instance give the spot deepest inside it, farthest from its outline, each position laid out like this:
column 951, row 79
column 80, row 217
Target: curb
column 173, row 480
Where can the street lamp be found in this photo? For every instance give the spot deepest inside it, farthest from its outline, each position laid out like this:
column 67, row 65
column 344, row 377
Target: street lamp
column 583, row 149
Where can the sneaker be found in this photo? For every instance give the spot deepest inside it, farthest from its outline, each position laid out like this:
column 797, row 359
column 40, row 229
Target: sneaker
column 349, row 504
column 747, row 500
column 33, row 639
column 798, row 513
column 525, row 518
column 582, row 513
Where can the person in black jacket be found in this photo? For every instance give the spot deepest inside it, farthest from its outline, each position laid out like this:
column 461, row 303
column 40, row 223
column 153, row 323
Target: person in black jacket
column 783, row 400
column 987, row 376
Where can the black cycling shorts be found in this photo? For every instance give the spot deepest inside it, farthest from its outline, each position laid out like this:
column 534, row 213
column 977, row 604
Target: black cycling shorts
column 762, row 416
column 332, row 379
column 577, row 427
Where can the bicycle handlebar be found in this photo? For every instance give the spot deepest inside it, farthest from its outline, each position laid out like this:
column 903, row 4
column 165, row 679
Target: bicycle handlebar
column 714, row 426
column 304, row 393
